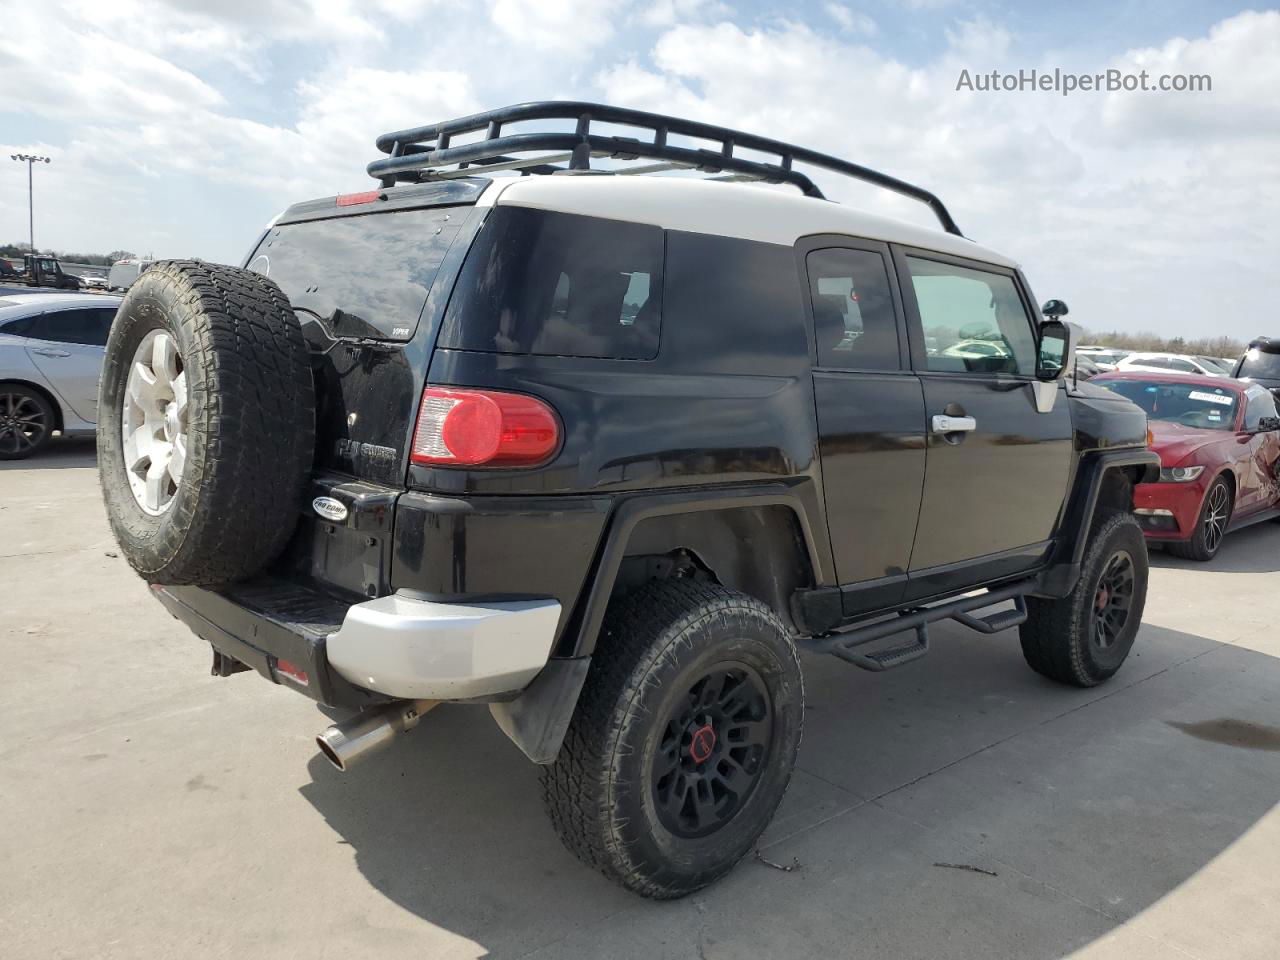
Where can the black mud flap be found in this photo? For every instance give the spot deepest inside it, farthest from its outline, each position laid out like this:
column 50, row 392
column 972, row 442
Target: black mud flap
column 536, row 720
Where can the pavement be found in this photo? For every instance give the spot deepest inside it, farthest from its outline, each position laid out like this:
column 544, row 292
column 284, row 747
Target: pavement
column 958, row 807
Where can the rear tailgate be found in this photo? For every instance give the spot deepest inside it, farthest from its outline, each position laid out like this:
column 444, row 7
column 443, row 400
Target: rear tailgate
column 368, row 278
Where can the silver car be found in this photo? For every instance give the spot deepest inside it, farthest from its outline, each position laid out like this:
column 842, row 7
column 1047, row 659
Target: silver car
column 51, row 348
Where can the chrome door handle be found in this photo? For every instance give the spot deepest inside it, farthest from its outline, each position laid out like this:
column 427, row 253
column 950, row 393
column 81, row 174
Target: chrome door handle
column 944, row 424
column 51, row 353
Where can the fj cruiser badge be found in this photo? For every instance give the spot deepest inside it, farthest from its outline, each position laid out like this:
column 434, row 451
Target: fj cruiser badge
column 329, row 508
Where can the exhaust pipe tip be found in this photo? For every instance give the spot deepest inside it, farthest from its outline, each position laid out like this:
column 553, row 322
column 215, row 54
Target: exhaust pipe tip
column 332, row 751
column 343, row 744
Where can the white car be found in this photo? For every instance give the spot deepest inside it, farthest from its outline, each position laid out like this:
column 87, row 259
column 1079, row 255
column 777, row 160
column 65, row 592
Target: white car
column 1168, row 363
column 51, row 348
column 1105, row 358
column 124, row 272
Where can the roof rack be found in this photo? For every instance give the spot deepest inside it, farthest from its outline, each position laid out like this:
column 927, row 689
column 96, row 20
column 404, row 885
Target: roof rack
column 426, row 153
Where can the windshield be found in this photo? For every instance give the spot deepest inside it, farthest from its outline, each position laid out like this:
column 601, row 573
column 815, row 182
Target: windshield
column 1205, row 408
column 363, row 276
column 1259, row 363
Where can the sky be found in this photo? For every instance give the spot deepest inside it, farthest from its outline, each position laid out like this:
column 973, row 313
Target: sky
column 179, row 128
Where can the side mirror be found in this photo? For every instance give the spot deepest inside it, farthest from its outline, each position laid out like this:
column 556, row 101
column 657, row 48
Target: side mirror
column 1053, row 309
column 1057, row 349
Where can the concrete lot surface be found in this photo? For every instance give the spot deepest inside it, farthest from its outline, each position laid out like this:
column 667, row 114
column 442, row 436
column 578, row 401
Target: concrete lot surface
column 149, row 810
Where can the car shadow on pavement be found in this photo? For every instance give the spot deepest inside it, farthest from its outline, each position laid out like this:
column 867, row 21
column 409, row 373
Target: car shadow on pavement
column 61, row 453
column 1079, row 809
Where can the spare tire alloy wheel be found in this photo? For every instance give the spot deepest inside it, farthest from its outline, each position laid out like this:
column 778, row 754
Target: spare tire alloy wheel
column 154, row 421
column 26, row 422
column 206, row 423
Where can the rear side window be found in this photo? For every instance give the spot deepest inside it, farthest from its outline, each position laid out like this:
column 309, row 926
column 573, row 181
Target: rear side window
column 88, row 326
column 852, row 310
column 17, row 328
column 558, row 284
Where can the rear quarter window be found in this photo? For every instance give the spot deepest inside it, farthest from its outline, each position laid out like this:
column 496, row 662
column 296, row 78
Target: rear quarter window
column 557, row 284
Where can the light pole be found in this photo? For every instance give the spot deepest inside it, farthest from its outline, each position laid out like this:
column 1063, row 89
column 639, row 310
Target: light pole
column 31, row 215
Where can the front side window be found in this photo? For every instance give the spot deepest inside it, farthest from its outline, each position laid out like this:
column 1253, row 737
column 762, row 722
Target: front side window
column 559, row 284
column 1205, row 408
column 1261, row 403
column 852, row 310
column 974, row 321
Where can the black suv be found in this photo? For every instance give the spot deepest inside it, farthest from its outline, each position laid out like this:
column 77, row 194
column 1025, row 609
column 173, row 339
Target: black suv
column 602, row 451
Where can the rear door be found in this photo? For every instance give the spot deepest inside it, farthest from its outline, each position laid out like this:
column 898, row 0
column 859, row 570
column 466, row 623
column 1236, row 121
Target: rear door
column 67, row 348
column 870, row 417
column 998, row 468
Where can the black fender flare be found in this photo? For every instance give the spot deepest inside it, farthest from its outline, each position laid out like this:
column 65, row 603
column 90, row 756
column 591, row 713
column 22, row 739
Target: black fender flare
column 536, row 720
column 1059, row 579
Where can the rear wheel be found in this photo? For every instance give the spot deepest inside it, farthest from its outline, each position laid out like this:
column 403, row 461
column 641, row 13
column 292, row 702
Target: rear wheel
column 1211, row 525
column 1085, row 637
column 26, row 422
column 684, row 740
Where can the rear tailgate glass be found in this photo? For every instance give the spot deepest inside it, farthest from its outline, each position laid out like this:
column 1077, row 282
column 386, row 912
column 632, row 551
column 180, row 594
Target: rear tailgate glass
column 361, row 276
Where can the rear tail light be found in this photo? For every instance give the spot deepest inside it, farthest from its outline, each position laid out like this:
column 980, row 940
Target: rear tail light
column 483, row 428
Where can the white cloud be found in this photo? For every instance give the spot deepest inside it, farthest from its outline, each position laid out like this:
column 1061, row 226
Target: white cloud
column 851, row 21
column 562, row 27
column 1140, row 209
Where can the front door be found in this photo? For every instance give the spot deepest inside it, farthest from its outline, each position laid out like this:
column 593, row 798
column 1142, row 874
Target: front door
column 1259, row 487
column 870, row 418
column 998, row 463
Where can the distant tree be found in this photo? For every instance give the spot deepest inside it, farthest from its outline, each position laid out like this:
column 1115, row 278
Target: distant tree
column 115, row 255
column 1147, row 342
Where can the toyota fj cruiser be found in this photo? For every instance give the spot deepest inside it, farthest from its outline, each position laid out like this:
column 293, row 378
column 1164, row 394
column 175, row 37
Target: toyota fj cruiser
column 602, row 451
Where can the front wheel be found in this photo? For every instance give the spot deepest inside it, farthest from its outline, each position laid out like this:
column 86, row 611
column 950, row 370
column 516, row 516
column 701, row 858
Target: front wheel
column 1211, row 525
column 684, row 740
column 1083, row 638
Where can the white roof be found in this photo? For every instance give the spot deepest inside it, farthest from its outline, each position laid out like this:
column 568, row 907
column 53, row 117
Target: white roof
column 725, row 209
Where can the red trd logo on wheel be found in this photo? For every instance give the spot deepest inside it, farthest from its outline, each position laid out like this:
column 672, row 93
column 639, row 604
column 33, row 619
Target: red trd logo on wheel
column 704, row 741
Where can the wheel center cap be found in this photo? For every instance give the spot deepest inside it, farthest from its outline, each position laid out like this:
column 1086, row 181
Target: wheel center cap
column 171, row 421
column 703, row 743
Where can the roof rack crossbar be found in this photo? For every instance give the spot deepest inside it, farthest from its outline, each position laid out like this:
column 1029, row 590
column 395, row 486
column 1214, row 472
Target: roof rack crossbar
column 410, row 153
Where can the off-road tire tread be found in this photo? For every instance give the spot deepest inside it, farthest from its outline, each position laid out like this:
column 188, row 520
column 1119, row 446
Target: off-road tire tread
column 251, row 432
column 1055, row 635
column 641, row 628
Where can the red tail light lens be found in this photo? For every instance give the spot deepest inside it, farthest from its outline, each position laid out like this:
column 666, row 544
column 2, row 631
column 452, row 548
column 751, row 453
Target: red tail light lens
column 483, row 428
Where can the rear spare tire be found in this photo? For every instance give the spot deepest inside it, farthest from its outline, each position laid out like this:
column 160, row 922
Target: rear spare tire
column 206, row 423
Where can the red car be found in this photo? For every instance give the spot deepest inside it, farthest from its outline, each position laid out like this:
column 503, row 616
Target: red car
column 1219, row 445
